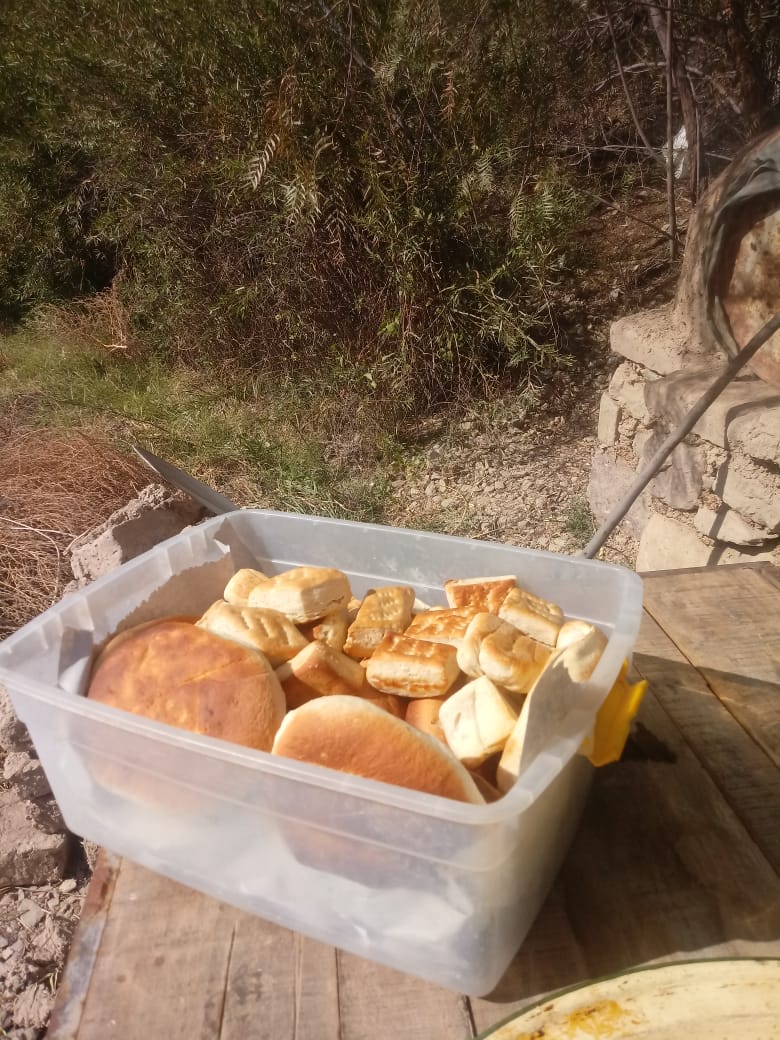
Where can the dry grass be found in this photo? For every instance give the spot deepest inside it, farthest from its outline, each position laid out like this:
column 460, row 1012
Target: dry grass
column 54, row 485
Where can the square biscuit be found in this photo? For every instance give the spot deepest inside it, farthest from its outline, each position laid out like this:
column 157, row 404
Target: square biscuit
column 484, row 594
column 303, row 593
column 532, row 616
column 412, row 667
column 383, row 610
column 441, row 625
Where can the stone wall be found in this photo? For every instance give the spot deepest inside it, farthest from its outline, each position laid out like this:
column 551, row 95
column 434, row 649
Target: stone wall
column 717, row 499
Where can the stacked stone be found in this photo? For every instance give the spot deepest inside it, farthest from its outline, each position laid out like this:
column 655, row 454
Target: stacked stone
column 717, row 499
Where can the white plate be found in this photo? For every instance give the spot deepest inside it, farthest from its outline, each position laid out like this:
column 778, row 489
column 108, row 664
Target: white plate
column 697, row 1000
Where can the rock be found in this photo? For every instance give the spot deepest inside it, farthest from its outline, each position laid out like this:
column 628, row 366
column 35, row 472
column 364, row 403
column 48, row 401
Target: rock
column 608, row 419
column 12, row 729
column 727, row 526
column 756, row 431
column 752, row 490
column 656, row 339
column 667, row 544
column 627, row 387
column 68, row 885
column 679, row 481
column 725, row 554
column 671, row 398
column 25, row 772
column 30, row 914
column 33, row 1006
column 29, row 854
column 610, row 479
column 155, row 515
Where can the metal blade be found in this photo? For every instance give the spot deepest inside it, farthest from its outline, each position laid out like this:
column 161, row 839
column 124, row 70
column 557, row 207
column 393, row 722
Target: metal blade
column 208, row 497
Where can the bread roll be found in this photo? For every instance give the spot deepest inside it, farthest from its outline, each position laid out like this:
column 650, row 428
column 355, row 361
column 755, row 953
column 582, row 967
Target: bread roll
column 441, row 626
column 423, row 714
column 179, row 674
column 258, row 628
column 512, row 659
column 534, row 617
column 319, row 671
column 120, row 637
column 481, row 625
column 412, row 667
column 477, row 721
column 353, row 736
column 590, row 643
column 332, row 629
column 241, row 584
column 388, row 609
column 303, row 593
column 483, row 594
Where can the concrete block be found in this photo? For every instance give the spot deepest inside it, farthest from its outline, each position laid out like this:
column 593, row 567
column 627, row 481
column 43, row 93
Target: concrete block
column 610, row 479
column 609, row 418
column 727, row 526
column 671, row 398
column 756, row 431
column 752, row 490
column 667, row 544
column 156, row 514
column 627, row 387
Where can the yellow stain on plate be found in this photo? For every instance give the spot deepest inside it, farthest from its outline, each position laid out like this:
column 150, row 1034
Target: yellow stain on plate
column 598, row 1021
column 605, row 1019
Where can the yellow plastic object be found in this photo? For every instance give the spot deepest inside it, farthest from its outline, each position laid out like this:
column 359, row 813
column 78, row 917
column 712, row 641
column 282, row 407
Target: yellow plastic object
column 613, row 720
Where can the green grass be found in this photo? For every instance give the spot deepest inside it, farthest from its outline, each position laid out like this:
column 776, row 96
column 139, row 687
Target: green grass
column 262, row 443
column 579, row 521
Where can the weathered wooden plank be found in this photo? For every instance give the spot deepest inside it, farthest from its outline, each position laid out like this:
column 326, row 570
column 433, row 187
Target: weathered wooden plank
column 279, row 984
column 661, row 869
column 410, row 1008
column 162, row 964
column 74, row 985
column 730, row 630
column 741, row 769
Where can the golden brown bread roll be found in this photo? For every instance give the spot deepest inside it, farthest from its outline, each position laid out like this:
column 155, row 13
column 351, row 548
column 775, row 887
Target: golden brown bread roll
column 353, row 736
column 179, row 674
column 120, row 637
column 423, row 714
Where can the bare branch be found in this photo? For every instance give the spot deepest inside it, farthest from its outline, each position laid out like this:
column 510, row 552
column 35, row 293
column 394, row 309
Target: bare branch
column 626, row 91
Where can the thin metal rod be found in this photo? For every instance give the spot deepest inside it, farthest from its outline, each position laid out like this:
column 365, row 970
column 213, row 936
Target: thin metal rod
column 682, row 431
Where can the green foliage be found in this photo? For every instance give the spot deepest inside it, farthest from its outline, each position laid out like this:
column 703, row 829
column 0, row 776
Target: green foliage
column 280, row 183
column 275, row 183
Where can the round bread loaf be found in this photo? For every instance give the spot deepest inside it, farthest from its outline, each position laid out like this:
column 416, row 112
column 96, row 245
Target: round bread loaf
column 182, row 675
column 354, row 736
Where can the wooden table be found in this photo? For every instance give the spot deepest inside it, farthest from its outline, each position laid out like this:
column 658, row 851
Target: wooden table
column 677, row 857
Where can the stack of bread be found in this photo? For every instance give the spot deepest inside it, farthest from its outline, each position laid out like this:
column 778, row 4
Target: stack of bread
column 384, row 687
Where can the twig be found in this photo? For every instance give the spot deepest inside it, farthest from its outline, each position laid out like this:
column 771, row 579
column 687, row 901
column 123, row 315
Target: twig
column 735, row 364
column 626, row 91
column 670, row 137
column 625, row 212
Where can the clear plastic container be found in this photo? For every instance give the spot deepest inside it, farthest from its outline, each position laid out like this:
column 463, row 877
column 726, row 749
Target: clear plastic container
column 436, row 888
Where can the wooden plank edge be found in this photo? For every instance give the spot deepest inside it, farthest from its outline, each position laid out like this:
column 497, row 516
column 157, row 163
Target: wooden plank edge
column 65, row 1020
column 763, row 567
